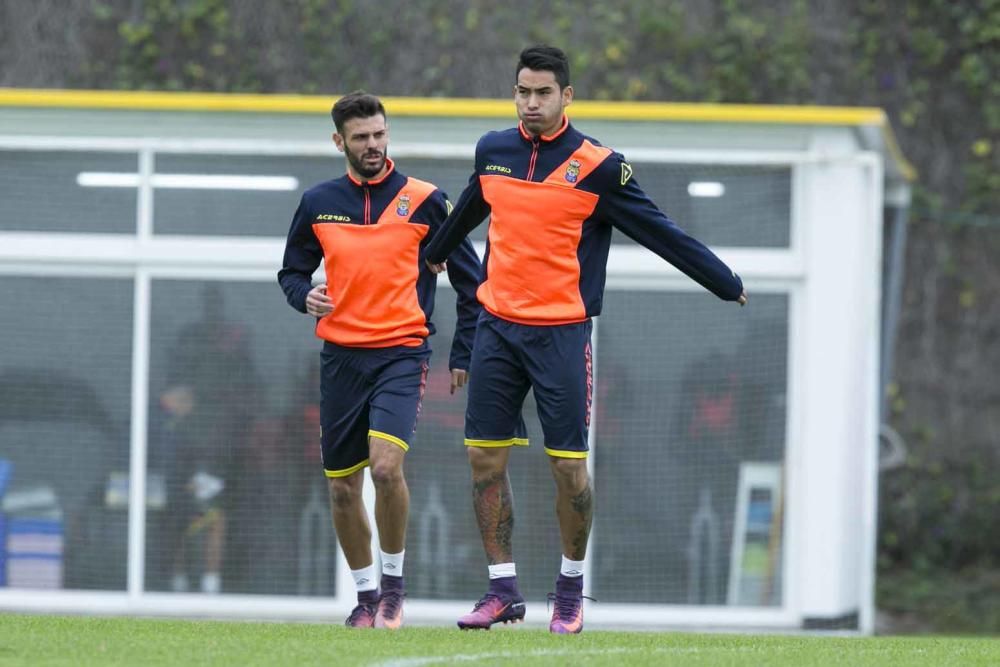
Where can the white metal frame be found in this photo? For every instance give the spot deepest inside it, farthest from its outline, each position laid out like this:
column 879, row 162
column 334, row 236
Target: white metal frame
column 144, row 256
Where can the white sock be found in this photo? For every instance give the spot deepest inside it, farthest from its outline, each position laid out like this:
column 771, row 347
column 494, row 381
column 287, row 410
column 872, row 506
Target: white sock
column 364, row 578
column 502, row 570
column 211, row 582
column 392, row 564
column 571, row 568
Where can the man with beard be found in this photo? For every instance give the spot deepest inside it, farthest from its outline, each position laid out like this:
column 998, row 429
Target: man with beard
column 373, row 313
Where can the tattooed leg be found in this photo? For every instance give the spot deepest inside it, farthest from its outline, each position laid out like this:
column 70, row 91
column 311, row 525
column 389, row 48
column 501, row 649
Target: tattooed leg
column 574, row 504
column 493, row 501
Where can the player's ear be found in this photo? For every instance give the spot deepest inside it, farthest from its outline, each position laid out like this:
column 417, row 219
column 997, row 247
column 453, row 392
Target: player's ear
column 567, row 96
column 338, row 141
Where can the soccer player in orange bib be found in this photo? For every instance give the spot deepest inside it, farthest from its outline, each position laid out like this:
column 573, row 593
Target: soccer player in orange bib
column 373, row 313
column 553, row 196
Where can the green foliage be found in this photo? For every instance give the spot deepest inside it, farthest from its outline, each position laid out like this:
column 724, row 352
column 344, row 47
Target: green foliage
column 937, row 550
column 322, row 27
column 648, row 51
column 942, row 600
column 934, row 513
column 168, row 45
column 931, row 62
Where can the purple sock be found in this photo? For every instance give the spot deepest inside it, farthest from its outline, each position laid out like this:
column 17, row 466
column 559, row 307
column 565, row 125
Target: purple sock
column 569, row 587
column 368, row 597
column 391, row 583
column 504, row 587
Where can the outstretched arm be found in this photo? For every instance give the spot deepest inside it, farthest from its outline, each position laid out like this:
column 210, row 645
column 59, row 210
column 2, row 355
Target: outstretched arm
column 628, row 208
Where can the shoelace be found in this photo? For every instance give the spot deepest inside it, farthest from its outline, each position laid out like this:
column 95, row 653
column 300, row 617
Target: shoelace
column 359, row 610
column 485, row 600
column 392, row 601
column 565, row 607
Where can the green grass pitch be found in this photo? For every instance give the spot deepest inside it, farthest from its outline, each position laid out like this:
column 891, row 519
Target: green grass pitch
column 80, row 641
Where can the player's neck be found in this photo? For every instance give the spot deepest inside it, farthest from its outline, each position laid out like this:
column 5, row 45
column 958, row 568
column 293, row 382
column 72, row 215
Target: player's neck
column 365, row 179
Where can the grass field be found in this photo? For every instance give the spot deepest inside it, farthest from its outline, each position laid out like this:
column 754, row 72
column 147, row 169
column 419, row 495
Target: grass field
column 55, row 640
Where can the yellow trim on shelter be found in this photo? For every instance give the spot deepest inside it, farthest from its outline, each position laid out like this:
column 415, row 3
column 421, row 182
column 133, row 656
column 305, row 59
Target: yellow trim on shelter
column 433, row 106
column 775, row 114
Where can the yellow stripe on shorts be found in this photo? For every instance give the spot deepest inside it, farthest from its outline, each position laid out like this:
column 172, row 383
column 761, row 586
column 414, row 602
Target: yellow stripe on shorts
column 521, row 442
column 391, row 438
column 563, row 454
column 346, row 471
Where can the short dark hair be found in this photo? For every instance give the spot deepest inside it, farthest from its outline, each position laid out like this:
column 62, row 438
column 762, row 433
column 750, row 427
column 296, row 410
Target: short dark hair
column 358, row 104
column 543, row 58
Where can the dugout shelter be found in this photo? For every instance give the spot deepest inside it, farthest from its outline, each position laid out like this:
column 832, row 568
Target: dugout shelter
column 734, row 451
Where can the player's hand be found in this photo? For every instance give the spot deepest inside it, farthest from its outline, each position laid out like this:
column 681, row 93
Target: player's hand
column 743, row 298
column 437, row 268
column 458, row 378
column 318, row 304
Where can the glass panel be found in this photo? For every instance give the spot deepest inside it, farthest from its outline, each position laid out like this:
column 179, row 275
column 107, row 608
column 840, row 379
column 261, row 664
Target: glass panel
column 222, row 210
column 690, row 441
column 234, row 443
column 40, row 192
column 734, row 206
column 269, row 213
column 65, row 392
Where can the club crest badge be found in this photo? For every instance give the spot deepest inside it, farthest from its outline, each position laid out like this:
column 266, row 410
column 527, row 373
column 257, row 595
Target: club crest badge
column 403, row 205
column 626, row 172
column 573, row 171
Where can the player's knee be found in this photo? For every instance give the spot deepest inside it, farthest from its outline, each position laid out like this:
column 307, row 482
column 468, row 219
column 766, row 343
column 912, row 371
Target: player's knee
column 484, row 460
column 386, row 472
column 344, row 491
column 570, row 473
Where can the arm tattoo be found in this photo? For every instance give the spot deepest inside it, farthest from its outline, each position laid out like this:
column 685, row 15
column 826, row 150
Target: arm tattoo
column 493, row 502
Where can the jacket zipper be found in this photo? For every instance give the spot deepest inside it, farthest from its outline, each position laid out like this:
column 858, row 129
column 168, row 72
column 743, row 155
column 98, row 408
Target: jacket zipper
column 368, row 205
column 534, row 155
